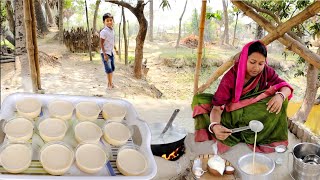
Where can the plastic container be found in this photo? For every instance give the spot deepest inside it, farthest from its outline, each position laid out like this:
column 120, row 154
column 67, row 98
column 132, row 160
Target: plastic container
column 131, row 161
column 91, row 158
column 52, row 129
column 142, row 135
column 114, row 112
column 61, row 109
column 87, row 131
column 116, row 133
column 18, row 129
column 87, row 111
column 56, row 157
column 16, row 157
column 28, row 107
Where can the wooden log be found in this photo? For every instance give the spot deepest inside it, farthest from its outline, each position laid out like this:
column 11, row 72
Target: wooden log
column 294, row 129
column 300, row 131
column 306, row 136
column 289, row 122
column 315, row 140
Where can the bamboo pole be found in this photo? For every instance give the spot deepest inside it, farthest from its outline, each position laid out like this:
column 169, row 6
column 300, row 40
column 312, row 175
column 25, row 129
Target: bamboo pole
column 267, row 40
column 286, row 40
column 35, row 44
column 280, row 30
column 200, row 44
column 29, row 43
column 89, row 31
column 310, row 11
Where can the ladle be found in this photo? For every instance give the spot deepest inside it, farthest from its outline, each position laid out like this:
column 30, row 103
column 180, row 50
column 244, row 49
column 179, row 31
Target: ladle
column 254, row 125
column 175, row 112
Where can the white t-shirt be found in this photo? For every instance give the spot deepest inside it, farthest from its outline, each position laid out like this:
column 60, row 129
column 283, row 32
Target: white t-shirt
column 108, row 35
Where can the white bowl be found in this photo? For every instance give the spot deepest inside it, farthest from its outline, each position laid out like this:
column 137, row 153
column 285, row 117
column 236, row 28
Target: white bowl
column 29, row 107
column 114, row 112
column 131, row 161
column 61, row 109
column 87, row 111
column 90, row 158
column 87, row 131
column 16, row 157
column 18, row 129
column 56, row 157
column 52, row 129
column 116, row 133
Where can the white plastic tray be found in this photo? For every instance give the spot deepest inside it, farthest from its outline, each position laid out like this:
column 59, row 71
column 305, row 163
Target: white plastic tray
column 8, row 111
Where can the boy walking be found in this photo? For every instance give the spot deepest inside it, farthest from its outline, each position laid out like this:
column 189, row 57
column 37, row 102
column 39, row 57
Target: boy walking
column 107, row 45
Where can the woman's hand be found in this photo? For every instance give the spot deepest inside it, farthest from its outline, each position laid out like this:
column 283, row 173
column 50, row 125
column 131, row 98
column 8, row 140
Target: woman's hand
column 221, row 132
column 275, row 104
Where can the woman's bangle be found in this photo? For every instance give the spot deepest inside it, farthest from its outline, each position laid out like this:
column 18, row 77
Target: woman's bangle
column 212, row 125
column 282, row 95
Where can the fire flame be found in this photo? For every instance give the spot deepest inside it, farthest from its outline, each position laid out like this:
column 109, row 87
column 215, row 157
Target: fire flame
column 172, row 155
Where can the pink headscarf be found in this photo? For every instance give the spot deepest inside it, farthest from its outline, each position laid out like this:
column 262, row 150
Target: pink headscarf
column 242, row 69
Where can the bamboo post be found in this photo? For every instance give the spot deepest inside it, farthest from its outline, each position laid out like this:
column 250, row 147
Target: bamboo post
column 200, row 44
column 29, row 43
column 286, row 40
column 310, row 11
column 89, row 31
column 274, row 34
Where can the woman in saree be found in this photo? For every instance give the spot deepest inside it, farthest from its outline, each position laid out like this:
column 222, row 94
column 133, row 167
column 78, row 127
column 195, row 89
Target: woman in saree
column 250, row 90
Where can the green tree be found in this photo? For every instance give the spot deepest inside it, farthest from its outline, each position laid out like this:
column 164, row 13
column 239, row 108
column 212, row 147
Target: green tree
column 195, row 22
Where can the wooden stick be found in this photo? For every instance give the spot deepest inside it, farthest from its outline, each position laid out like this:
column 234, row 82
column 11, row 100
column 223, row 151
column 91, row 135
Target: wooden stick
column 200, row 44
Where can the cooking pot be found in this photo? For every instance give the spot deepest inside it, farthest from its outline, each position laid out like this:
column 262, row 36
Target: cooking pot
column 169, row 142
column 305, row 161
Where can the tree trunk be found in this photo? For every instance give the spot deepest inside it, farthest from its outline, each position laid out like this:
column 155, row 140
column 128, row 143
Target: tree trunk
column 226, row 22
column 310, row 94
column 48, row 12
column 180, row 20
column 30, row 23
column 120, row 38
column 20, row 38
column 10, row 17
column 89, row 31
column 143, row 26
column 235, row 29
column 151, row 22
column 94, row 28
column 61, row 21
column 41, row 21
column 125, row 37
column 259, row 32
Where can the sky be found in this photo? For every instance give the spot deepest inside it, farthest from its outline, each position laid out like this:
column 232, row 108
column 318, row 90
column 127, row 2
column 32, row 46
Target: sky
column 166, row 17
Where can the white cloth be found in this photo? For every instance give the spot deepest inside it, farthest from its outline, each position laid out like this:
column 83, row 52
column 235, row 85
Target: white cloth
column 108, row 35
